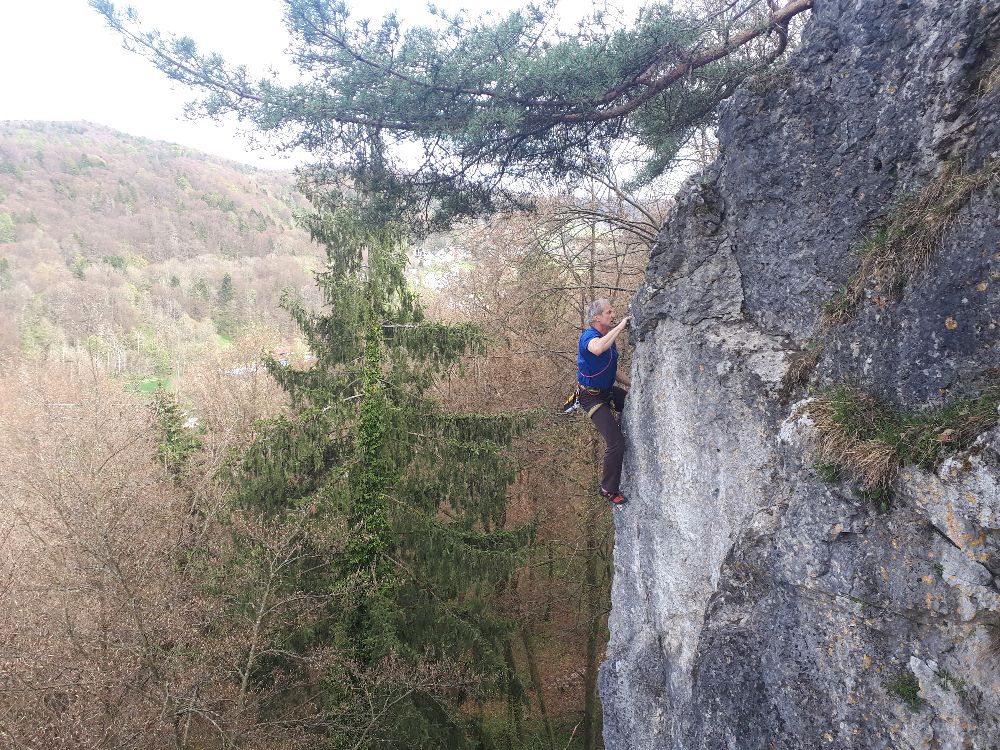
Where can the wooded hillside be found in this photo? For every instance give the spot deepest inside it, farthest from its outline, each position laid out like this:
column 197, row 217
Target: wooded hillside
column 145, row 253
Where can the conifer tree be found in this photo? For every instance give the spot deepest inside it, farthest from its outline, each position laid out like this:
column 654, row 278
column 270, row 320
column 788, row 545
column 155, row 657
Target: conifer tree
column 176, row 442
column 491, row 104
column 226, row 292
column 406, row 503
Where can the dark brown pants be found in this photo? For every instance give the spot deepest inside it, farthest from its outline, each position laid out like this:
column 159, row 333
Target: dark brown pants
column 607, row 424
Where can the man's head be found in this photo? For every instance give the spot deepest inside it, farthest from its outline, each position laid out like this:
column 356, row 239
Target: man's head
column 601, row 315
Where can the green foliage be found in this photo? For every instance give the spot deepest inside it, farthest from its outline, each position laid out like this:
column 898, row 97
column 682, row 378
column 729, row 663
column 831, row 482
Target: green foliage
column 177, row 443
column 879, row 498
column 506, row 732
column 258, row 220
column 149, row 346
column 117, row 262
column 127, row 193
column 226, row 291
column 418, row 493
column 829, row 473
column 38, row 333
column 147, row 386
column 775, row 78
column 226, row 325
column 78, row 266
column 184, row 183
column 9, row 167
column 907, row 688
column 65, row 190
column 6, row 277
column 492, row 102
column 88, row 161
column 200, row 289
column 174, row 281
column 83, row 163
column 950, row 682
column 132, row 258
column 221, row 202
column 8, row 232
column 95, row 345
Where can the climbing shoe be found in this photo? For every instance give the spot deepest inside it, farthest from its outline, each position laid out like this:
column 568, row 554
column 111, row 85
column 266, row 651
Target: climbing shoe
column 616, row 498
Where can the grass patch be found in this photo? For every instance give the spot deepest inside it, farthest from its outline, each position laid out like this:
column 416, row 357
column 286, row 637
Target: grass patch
column 878, row 497
column 907, row 688
column 993, row 640
column 868, row 440
column 829, row 473
column 147, row 385
column 950, row 682
column 904, row 241
column 989, row 77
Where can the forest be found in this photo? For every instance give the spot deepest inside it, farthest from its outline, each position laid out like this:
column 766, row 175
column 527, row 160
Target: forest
column 283, row 462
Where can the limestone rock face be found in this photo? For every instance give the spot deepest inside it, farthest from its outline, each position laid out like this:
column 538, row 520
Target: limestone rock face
column 755, row 606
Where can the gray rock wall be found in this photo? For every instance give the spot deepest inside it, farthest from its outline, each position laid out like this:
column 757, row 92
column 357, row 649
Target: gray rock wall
column 754, row 605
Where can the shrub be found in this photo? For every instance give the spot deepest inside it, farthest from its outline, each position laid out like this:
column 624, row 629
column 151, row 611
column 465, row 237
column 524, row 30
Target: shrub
column 117, row 262
column 78, row 266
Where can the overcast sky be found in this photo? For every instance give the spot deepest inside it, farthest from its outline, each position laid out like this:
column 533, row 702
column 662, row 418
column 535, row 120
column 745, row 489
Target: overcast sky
column 60, row 62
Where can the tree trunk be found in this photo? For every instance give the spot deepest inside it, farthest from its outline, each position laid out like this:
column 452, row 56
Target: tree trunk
column 514, row 697
column 592, row 614
column 536, row 682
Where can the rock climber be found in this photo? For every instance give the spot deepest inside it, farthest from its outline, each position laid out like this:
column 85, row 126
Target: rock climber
column 598, row 394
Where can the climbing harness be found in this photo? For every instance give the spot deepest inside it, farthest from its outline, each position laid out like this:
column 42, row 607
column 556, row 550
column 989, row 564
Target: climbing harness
column 572, row 402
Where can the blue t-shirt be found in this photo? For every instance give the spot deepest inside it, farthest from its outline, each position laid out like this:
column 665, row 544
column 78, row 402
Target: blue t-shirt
column 595, row 370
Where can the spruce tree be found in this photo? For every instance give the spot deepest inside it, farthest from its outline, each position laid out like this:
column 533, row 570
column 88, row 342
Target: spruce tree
column 226, row 292
column 406, row 501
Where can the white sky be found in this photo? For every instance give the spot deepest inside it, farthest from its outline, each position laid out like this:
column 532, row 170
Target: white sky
column 60, row 62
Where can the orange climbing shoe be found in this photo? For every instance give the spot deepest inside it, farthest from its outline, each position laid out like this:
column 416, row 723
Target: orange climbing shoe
column 616, row 498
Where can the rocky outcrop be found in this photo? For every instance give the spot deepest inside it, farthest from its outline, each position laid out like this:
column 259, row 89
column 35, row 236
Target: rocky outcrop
column 755, row 605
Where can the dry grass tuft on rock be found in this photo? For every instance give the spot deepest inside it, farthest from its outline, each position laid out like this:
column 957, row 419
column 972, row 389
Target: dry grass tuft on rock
column 868, row 441
column 989, row 78
column 800, row 366
column 993, row 640
column 906, row 239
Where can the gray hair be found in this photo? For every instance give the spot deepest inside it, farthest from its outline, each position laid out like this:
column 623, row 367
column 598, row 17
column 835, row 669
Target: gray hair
column 596, row 307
